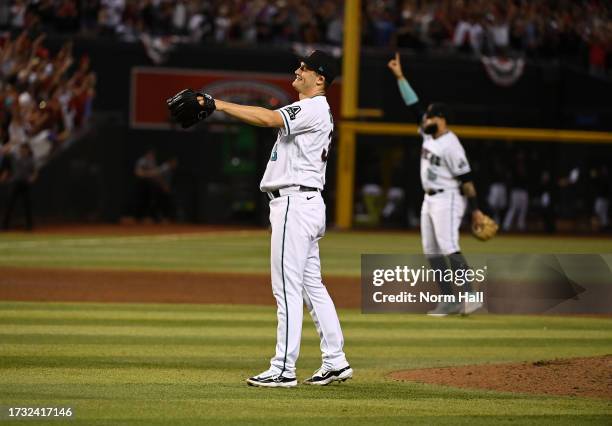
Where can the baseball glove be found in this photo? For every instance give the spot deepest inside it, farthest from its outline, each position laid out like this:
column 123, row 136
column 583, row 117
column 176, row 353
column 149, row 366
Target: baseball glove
column 485, row 229
column 186, row 109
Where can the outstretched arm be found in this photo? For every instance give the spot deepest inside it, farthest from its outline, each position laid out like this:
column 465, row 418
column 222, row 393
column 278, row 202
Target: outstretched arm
column 189, row 107
column 257, row 116
column 408, row 94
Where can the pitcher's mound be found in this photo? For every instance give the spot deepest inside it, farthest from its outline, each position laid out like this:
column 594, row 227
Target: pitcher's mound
column 584, row 377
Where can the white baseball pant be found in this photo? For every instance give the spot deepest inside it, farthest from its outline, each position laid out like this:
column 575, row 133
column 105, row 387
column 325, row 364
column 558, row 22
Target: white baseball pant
column 441, row 216
column 298, row 223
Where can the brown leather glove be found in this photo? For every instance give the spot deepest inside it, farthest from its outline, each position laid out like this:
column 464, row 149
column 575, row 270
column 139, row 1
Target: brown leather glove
column 484, row 228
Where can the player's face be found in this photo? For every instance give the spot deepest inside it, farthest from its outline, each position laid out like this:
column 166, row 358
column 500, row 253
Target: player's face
column 305, row 78
column 431, row 120
column 434, row 125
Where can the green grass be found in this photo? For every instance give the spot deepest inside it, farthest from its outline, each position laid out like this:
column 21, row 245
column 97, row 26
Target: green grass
column 151, row 364
column 186, row 364
column 245, row 251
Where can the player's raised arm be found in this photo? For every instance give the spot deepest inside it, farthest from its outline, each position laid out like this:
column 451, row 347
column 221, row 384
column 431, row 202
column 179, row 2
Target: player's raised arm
column 408, row 94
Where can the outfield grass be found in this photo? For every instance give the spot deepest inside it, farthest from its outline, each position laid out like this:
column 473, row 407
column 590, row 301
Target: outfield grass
column 246, row 251
column 186, row 364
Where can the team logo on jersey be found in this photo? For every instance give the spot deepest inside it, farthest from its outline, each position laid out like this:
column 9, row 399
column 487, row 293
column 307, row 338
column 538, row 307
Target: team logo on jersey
column 293, row 111
column 428, row 155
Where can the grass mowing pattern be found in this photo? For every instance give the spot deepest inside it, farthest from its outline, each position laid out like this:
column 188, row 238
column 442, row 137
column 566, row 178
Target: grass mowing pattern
column 182, row 364
column 186, row 364
column 245, row 251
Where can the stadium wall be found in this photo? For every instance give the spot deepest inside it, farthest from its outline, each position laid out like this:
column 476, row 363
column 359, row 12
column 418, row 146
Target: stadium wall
column 93, row 179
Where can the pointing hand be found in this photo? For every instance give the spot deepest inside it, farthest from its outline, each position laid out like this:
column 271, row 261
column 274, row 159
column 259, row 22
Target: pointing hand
column 396, row 66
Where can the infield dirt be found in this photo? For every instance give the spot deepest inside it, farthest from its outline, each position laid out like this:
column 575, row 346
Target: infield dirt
column 87, row 285
column 581, row 377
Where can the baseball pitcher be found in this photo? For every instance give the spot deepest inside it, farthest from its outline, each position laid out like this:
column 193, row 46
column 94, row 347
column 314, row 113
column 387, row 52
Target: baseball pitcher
column 293, row 181
column 446, row 178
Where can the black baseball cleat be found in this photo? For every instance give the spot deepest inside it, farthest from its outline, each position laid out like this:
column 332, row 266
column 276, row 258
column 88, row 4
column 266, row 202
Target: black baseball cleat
column 323, row 377
column 269, row 379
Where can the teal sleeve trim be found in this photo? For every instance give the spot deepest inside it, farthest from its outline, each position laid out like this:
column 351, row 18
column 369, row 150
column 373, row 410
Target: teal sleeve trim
column 282, row 113
column 408, row 94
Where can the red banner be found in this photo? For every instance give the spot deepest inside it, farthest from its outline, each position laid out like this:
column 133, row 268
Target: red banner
column 151, row 86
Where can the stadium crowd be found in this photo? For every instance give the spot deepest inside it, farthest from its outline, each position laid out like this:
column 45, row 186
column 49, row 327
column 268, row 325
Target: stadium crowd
column 45, row 96
column 44, row 99
column 580, row 30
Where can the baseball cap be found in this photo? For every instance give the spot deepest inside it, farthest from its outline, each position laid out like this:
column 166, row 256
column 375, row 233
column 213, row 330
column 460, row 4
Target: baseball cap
column 438, row 110
column 322, row 63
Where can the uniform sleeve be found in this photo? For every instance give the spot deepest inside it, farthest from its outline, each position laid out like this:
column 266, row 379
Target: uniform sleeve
column 299, row 117
column 456, row 160
column 408, row 94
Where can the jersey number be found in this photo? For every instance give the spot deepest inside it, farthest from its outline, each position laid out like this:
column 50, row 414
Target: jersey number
column 325, row 152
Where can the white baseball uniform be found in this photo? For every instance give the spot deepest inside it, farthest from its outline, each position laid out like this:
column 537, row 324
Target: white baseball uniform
column 297, row 216
column 442, row 160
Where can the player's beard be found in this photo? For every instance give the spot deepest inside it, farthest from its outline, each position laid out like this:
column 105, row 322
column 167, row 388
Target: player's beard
column 431, row 129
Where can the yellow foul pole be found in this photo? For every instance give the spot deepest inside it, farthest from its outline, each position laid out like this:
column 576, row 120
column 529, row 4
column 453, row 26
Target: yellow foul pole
column 349, row 110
